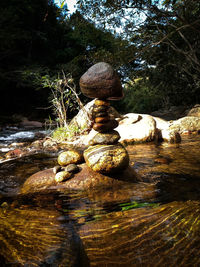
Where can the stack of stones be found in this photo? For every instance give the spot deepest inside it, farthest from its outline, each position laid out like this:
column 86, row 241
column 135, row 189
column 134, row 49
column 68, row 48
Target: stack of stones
column 67, row 161
column 105, row 154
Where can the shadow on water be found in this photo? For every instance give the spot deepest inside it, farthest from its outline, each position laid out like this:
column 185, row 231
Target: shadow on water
column 154, row 223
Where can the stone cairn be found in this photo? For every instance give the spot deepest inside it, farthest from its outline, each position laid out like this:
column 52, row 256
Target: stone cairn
column 105, row 154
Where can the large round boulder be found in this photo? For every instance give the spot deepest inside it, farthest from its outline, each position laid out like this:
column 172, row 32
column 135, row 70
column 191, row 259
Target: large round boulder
column 101, row 81
column 106, row 158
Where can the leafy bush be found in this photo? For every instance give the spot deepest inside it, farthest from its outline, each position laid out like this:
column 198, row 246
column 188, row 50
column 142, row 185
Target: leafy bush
column 140, row 97
column 65, row 133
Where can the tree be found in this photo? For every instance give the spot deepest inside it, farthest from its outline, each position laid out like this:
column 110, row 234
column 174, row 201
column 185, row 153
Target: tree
column 166, row 35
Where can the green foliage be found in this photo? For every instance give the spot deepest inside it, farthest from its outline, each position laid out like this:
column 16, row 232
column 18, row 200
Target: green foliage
column 65, row 133
column 140, row 97
column 158, row 40
column 63, row 97
column 165, row 36
column 135, row 205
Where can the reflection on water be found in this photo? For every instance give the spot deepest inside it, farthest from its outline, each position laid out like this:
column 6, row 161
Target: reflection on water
column 167, row 235
column 154, row 223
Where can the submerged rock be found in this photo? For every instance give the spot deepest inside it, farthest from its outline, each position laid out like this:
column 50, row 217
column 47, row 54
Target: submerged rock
column 106, row 158
column 35, row 237
column 85, row 180
column 166, row 235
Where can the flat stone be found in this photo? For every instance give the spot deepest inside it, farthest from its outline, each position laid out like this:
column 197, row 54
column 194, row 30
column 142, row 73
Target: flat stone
column 105, row 138
column 69, row 157
column 106, row 158
column 106, row 126
column 97, row 109
column 102, row 119
column 99, row 102
column 99, row 114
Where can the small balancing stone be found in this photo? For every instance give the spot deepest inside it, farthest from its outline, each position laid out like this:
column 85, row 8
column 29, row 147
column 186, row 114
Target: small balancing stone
column 70, row 157
column 106, row 158
column 62, row 176
column 106, row 126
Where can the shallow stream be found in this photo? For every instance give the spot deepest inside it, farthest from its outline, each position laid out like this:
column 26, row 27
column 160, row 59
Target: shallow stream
column 158, row 224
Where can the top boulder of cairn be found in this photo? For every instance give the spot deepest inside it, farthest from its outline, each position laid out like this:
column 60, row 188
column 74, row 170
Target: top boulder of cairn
column 101, row 81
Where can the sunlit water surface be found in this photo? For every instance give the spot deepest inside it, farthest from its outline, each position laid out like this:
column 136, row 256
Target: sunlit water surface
column 158, row 225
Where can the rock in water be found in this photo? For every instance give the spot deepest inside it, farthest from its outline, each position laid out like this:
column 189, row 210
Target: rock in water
column 106, row 158
column 105, row 138
column 70, row 157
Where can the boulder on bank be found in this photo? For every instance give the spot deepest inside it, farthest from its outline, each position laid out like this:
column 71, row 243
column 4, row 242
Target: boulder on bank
column 186, row 124
column 137, row 128
column 194, row 111
column 142, row 127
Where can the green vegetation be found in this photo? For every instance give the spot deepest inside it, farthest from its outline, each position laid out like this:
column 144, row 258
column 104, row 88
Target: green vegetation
column 140, row 97
column 165, row 36
column 135, row 205
column 65, row 133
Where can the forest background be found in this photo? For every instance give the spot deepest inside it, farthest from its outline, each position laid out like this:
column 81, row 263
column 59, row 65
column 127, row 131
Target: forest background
column 153, row 44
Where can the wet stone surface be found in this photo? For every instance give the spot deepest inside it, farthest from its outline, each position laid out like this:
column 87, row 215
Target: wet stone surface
column 106, row 158
column 70, row 157
column 72, row 168
column 62, row 176
column 105, row 138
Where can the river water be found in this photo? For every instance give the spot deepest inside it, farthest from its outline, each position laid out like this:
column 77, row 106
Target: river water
column 158, row 224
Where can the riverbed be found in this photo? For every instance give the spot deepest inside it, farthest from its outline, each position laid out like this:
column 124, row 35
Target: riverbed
column 158, row 224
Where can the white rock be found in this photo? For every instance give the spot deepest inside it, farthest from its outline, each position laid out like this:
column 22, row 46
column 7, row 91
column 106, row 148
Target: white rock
column 140, row 131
